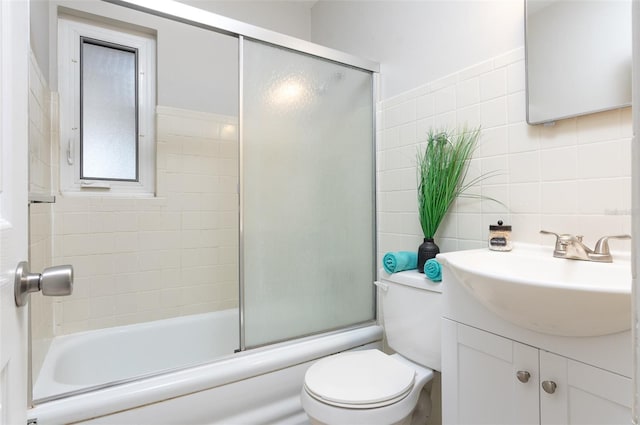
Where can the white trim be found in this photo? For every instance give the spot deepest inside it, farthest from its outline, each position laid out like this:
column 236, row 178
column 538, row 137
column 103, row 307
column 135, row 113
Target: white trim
column 69, row 32
column 14, row 182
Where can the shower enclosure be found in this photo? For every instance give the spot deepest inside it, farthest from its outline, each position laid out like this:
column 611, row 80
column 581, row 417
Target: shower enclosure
column 264, row 202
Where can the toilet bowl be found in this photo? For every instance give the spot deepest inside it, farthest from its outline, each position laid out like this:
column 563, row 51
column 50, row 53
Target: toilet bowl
column 365, row 387
column 369, row 387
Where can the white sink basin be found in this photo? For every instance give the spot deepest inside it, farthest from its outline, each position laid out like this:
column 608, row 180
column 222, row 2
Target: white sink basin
column 532, row 289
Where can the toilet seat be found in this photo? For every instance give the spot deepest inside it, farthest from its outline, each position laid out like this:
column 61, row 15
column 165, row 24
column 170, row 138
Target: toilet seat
column 359, row 380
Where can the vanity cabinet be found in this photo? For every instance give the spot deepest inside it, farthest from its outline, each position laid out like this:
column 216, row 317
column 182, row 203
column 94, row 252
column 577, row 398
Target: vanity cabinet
column 490, row 379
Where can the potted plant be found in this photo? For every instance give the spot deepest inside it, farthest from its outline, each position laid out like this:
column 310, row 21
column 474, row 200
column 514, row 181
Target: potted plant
column 442, row 170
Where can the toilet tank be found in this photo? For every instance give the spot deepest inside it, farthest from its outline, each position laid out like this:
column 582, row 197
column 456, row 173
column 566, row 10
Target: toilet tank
column 411, row 310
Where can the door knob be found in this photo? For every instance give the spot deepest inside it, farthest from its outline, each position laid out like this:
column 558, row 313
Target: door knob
column 54, row 281
column 549, row 387
column 523, row 376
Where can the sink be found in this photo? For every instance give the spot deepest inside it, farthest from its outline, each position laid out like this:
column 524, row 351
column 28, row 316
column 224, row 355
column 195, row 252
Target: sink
column 530, row 288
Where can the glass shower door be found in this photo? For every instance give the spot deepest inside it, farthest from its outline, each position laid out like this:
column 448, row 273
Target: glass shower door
column 308, row 205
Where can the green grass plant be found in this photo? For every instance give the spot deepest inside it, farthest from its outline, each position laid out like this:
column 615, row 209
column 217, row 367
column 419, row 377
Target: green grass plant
column 442, row 172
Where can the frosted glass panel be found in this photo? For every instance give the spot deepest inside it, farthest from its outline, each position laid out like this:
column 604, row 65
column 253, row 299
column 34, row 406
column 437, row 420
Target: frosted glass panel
column 109, row 115
column 308, row 195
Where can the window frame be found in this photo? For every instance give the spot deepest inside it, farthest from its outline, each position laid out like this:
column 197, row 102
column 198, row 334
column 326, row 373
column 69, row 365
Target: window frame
column 70, row 34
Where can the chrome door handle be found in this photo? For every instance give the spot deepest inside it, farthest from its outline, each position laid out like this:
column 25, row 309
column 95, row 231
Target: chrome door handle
column 54, row 281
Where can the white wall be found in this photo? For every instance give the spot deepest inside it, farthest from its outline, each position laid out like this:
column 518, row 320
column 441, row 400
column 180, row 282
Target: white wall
column 419, row 41
column 39, row 34
column 137, row 260
column 189, row 58
column 573, row 177
column 287, row 17
column 197, row 69
column 447, row 63
column 175, row 254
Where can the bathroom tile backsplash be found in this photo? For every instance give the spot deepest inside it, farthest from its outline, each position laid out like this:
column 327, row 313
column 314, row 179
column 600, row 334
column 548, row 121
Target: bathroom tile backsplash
column 137, row 259
column 141, row 259
column 573, row 177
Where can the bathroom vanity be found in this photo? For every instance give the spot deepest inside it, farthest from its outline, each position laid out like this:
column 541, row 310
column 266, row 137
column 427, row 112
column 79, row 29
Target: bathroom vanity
column 495, row 371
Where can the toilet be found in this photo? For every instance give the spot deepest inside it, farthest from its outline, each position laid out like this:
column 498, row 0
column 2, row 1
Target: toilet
column 369, row 387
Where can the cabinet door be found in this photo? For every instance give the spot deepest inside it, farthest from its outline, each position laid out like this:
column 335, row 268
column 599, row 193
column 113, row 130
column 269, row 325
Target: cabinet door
column 583, row 394
column 480, row 382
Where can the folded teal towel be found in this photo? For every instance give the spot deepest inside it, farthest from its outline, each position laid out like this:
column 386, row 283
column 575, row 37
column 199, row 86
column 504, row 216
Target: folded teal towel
column 394, row 262
column 433, row 270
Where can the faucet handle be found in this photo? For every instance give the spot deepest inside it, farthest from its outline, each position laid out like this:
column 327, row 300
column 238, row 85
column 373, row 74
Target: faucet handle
column 602, row 246
column 558, row 237
column 561, row 243
column 546, row 232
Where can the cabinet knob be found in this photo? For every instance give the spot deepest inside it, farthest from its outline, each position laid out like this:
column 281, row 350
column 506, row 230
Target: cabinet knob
column 549, row 387
column 523, row 376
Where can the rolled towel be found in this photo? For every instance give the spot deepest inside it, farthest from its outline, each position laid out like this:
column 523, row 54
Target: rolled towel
column 433, row 270
column 394, row 262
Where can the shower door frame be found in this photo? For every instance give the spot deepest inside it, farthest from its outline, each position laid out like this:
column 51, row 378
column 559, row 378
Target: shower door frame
column 190, row 15
column 208, row 20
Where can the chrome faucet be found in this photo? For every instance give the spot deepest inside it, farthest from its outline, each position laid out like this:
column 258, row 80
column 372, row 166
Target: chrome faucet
column 571, row 247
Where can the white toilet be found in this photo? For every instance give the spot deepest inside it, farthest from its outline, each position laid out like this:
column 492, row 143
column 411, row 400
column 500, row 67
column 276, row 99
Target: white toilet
column 369, row 387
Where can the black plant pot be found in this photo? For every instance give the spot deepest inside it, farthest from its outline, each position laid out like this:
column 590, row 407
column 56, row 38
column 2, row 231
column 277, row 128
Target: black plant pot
column 428, row 249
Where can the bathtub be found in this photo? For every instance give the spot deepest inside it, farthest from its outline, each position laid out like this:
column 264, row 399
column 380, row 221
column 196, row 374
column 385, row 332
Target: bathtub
column 253, row 387
column 91, row 359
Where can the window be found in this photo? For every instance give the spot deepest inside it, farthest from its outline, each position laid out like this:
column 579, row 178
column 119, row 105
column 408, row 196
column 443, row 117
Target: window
column 107, row 107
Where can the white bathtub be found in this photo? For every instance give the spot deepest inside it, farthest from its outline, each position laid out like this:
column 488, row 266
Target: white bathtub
column 255, row 386
column 89, row 359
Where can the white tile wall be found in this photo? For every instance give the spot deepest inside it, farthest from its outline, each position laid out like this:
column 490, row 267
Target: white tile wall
column 141, row 259
column 40, row 110
column 571, row 177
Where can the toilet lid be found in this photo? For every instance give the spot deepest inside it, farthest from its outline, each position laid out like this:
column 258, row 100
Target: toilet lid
column 364, row 379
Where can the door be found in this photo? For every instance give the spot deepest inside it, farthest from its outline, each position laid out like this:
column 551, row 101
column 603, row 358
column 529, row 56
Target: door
column 581, row 394
column 487, row 379
column 14, row 53
column 307, row 147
